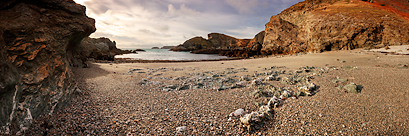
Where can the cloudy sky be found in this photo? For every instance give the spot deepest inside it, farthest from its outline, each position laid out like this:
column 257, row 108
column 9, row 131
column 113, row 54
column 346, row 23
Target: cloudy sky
column 149, row 23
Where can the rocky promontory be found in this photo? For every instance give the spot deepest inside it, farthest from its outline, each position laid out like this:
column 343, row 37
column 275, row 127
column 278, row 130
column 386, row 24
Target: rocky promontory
column 100, row 49
column 39, row 41
column 223, row 45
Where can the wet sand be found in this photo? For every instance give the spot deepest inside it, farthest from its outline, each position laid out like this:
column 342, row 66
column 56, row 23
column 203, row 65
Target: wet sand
column 115, row 101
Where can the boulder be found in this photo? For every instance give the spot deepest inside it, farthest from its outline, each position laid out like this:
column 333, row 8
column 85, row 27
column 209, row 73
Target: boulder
column 99, row 48
column 36, row 58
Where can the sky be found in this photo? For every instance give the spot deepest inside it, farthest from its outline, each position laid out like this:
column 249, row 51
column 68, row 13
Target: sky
column 156, row 23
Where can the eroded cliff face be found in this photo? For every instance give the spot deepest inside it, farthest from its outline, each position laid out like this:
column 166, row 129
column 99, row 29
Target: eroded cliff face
column 325, row 25
column 38, row 41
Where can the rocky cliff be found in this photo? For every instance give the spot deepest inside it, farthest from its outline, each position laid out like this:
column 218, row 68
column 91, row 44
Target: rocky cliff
column 38, row 41
column 325, row 25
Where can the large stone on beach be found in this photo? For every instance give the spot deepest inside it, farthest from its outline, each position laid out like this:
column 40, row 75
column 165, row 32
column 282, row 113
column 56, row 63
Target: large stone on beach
column 38, row 41
column 352, row 88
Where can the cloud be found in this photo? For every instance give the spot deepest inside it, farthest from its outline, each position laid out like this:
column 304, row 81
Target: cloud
column 145, row 23
column 245, row 6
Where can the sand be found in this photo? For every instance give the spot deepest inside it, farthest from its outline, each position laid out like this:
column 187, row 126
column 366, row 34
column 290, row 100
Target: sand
column 113, row 101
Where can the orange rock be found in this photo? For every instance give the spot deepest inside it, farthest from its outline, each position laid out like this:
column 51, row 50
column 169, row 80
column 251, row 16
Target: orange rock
column 387, row 48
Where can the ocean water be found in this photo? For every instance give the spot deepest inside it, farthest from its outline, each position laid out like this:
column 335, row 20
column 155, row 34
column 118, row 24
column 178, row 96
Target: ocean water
column 165, row 54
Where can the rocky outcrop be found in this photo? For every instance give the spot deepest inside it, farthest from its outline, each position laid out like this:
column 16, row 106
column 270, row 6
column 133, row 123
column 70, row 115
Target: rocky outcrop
column 167, row 47
column 223, row 41
column 195, row 43
column 38, row 41
column 223, row 45
column 325, row 25
column 100, row 49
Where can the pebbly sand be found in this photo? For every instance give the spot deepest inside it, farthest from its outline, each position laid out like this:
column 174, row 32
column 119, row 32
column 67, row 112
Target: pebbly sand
column 114, row 101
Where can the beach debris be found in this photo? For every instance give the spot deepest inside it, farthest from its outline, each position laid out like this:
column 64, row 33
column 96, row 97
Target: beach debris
column 338, row 79
column 274, row 102
column 244, row 78
column 238, row 112
column 252, row 119
column 387, row 48
column 180, row 129
column 272, row 78
column 261, row 93
column 169, row 87
column 306, row 89
column 257, row 82
column 353, row 88
column 256, row 118
column 183, row 87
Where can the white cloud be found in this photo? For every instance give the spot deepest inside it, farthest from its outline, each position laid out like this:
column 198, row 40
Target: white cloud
column 245, row 6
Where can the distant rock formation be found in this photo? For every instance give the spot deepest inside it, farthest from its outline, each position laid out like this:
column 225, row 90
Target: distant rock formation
column 155, row 47
column 167, row 47
column 325, row 25
column 195, row 43
column 38, row 46
column 223, row 45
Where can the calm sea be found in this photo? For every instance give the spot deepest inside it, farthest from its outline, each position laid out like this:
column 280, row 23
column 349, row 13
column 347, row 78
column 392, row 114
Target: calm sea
column 165, row 54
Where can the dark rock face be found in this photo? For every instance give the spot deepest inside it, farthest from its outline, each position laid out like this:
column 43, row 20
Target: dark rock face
column 38, row 41
column 324, row 25
column 99, row 49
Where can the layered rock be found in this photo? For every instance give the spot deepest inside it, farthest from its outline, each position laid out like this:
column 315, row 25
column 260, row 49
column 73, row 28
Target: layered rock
column 38, row 41
column 325, row 25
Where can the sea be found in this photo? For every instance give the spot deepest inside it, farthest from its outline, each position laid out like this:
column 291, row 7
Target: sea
column 165, row 54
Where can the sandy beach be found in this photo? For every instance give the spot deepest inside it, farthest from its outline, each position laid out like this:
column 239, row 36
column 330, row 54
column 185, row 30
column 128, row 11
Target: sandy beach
column 161, row 98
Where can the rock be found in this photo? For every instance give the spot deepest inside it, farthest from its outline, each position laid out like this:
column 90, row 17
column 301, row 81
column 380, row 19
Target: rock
column 306, row 89
column 167, row 47
column 273, row 102
column 252, row 119
column 257, row 81
column 261, row 93
column 338, row 79
column 223, row 45
column 238, row 112
column 353, row 88
column 180, row 129
column 272, row 78
column 308, row 27
column 37, row 52
column 99, row 48
column 194, row 44
column 184, row 87
column 155, row 48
